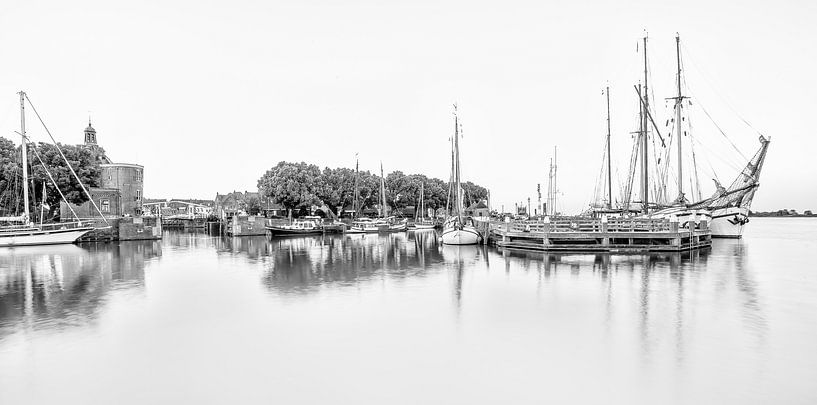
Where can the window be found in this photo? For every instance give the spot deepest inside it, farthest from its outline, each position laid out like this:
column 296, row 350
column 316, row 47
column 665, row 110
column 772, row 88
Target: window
column 105, row 205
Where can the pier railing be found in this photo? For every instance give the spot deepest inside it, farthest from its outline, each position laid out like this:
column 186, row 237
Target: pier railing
column 592, row 225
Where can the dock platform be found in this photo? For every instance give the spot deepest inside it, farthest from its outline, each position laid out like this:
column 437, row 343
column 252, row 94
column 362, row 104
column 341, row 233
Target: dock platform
column 624, row 235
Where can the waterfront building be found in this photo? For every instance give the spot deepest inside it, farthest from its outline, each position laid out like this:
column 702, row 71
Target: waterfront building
column 237, row 203
column 478, row 209
column 120, row 185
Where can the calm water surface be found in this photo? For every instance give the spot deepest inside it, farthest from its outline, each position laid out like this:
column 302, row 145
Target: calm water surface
column 402, row 319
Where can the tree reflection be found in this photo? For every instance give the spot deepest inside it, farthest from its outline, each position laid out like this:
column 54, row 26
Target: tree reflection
column 58, row 286
column 302, row 264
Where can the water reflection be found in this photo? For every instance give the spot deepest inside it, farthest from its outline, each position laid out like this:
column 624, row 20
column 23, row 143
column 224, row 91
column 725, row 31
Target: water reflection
column 487, row 325
column 60, row 286
column 302, row 264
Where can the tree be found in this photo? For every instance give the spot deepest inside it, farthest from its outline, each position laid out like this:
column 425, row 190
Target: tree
column 337, row 188
column 293, row 185
column 83, row 161
column 253, row 205
column 473, row 193
column 300, row 185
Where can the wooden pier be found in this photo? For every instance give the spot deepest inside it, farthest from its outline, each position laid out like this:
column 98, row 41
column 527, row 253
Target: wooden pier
column 597, row 235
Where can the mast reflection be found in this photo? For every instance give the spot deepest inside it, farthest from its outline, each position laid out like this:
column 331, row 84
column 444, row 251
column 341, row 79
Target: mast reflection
column 60, row 286
column 302, row 264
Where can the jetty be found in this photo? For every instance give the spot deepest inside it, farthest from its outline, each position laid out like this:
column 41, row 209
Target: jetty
column 621, row 235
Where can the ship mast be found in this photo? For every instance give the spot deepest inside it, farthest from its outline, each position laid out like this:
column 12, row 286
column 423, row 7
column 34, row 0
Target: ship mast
column 458, row 197
column 678, row 101
column 422, row 208
column 383, row 190
column 356, row 193
column 609, row 175
column 645, row 192
column 25, row 155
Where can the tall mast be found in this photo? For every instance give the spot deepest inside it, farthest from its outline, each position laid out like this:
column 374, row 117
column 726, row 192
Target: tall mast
column 383, row 190
column 422, row 211
column 25, row 155
column 356, row 193
column 645, row 192
column 609, row 175
column 555, row 183
column 678, row 120
column 457, row 164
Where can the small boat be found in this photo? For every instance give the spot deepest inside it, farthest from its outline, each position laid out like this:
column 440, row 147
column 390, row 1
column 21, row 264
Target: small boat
column 384, row 224
column 21, row 230
column 397, row 225
column 458, row 229
column 368, row 225
column 381, row 225
column 421, row 223
column 303, row 226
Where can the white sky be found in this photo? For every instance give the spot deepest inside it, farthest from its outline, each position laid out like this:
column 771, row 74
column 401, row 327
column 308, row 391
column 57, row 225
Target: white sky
column 209, row 95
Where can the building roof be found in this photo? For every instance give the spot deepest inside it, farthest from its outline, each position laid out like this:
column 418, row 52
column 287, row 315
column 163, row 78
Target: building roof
column 478, row 205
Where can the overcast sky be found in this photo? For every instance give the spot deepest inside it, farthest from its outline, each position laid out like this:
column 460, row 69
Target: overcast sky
column 209, row 95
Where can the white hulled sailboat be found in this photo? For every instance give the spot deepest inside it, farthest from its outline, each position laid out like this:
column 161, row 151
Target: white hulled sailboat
column 20, row 230
column 458, row 229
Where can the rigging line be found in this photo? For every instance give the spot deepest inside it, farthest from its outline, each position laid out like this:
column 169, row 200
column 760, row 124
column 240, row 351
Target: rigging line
column 732, row 165
column 712, row 86
column 720, row 130
column 66, row 161
column 37, row 154
column 712, row 172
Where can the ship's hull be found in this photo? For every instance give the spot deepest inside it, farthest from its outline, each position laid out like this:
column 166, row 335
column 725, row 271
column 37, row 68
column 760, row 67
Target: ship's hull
column 466, row 235
column 34, row 237
column 276, row 231
column 728, row 222
column 422, row 227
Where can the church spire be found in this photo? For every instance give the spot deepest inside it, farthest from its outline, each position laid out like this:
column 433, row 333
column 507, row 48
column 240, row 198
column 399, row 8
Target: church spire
column 90, row 134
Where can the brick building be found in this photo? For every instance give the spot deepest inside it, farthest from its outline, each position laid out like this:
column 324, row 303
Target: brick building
column 120, row 186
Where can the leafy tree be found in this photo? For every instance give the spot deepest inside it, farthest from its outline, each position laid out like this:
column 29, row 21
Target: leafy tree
column 293, row 185
column 83, row 161
column 337, row 188
column 298, row 186
column 473, row 193
column 253, row 205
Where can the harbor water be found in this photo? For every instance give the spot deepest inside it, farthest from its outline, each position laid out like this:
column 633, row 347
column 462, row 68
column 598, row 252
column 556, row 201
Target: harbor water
column 402, row 319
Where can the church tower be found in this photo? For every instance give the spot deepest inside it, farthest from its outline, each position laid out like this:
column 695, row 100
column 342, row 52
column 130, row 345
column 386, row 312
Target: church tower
column 90, row 144
column 90, row 135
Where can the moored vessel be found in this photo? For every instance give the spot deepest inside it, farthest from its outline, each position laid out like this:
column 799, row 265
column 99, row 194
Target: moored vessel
column 20, row 230
column 458, row 229
column 297, row 227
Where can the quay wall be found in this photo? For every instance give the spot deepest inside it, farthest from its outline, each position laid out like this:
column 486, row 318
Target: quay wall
column 247, row 226
column 124, row 229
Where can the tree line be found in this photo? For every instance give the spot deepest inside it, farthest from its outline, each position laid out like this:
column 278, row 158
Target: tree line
column 84, row 161
column 299, row 186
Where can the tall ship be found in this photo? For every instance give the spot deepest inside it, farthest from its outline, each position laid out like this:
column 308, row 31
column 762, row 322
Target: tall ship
column 458, row 228
column 20, row 229
column 666, row 167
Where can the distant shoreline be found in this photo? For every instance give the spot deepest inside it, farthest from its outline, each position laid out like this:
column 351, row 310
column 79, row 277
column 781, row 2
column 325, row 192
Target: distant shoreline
column 777, row 215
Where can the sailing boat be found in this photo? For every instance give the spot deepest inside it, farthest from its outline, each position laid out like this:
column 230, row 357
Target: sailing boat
column 728, row 208
column 21, row 231
column 392, row 224
column 384, row 223
column 458, row 229
column 421, row 223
